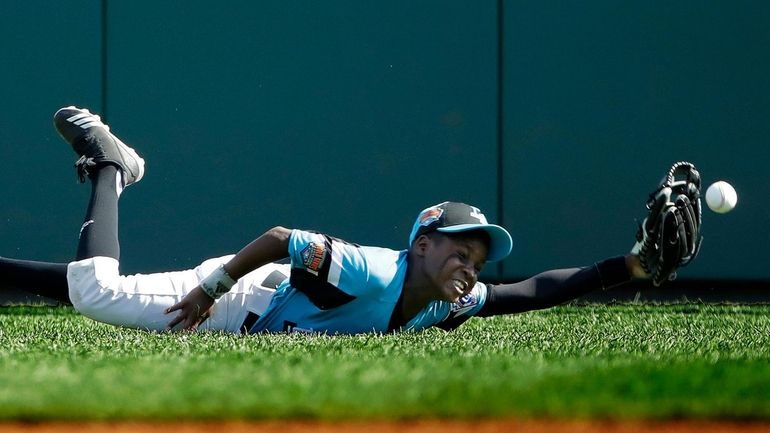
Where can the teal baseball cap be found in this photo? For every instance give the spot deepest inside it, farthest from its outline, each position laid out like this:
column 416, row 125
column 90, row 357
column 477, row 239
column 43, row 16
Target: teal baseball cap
column 454, row 217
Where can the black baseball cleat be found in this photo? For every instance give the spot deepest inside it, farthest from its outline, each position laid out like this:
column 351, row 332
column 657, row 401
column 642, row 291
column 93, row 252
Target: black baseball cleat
column 96, row 145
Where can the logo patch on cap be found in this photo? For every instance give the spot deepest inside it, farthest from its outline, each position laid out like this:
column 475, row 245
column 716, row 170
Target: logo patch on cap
column 313, row 257
column 476, row 213
column 429, row 216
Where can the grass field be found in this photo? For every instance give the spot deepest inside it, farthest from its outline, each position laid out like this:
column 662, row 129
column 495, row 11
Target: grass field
column 618, row 362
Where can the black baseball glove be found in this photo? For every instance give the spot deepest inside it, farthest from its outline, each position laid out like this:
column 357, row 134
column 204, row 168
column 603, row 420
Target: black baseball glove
column 669, row 237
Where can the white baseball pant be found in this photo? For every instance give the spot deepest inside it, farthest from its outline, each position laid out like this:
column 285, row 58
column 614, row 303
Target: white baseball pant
column 98, row 291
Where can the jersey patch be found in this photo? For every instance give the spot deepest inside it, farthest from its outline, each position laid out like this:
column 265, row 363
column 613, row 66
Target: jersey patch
column 313, row 257
column 464, row 304
column 317, row 278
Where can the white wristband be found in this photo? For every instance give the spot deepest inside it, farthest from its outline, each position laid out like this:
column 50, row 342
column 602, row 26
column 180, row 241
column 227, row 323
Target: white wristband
column 217, row 283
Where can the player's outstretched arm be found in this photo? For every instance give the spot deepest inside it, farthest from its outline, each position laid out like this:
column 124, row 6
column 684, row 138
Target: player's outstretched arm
column 635, row 268
column 273, row 245
column 557, row 286
column 668, row 239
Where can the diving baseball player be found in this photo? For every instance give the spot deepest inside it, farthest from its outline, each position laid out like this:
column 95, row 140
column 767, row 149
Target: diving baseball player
column 329, row 286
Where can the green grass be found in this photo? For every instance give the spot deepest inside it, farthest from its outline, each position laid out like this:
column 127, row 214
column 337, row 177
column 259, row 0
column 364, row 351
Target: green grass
column 620, row 362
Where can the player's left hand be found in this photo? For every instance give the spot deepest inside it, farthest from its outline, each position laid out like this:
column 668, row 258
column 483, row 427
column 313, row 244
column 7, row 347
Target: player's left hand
column 193, row 309
column 669, row 237
column 635, row 268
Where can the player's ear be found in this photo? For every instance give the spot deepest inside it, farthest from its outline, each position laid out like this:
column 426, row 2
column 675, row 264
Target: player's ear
column 420, row 245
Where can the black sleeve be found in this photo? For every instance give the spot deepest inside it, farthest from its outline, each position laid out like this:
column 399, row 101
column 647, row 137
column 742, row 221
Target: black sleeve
column 554, row 287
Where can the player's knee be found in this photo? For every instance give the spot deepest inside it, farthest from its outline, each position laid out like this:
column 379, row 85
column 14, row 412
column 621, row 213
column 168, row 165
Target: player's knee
column 92, row 283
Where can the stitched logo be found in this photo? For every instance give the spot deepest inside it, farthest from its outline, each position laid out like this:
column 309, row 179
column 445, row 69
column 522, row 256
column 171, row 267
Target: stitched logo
column 476, row 213
column 431, row 215
column 313, row 257
column 464, row 304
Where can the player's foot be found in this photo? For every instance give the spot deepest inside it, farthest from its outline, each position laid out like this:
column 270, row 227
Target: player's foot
column 96, row 145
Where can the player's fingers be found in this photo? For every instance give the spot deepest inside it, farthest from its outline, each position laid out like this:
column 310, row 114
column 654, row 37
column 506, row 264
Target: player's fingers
column 177, row 306
column 191, row 317
column 191, row 323
column 175, row 321
column 183, row 316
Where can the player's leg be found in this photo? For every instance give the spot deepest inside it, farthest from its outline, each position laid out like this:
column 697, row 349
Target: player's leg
column 111, row 166
column 99, row 232
column 96, row 287
column 99, row 292
column 139, row 301
column 39, row 278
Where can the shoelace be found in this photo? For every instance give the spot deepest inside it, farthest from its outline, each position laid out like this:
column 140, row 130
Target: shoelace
column 82, row 165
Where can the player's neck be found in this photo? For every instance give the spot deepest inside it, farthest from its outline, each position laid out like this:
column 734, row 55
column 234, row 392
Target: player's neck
column 417, row 292
column 414, row 300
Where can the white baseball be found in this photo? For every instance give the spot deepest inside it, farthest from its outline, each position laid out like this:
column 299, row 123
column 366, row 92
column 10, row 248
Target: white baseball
column 721, row 197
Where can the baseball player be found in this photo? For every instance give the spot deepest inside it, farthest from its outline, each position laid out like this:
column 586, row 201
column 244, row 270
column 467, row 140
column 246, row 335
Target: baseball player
column 329, row 285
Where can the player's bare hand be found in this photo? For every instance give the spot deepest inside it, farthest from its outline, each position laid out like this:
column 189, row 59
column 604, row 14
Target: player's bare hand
column 635, row 268
column 193, row 309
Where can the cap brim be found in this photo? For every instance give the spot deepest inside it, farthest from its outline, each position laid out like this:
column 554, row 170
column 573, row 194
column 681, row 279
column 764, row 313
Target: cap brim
column 500, row 242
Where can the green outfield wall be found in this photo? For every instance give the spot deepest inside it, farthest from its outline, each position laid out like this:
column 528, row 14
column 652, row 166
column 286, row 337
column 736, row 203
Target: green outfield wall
column 349, row 117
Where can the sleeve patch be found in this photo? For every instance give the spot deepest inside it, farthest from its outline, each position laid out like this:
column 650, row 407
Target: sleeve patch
column 313, row 257
column 317, row 276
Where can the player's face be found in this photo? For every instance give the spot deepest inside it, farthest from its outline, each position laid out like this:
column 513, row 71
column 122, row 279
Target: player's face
column 453, row 265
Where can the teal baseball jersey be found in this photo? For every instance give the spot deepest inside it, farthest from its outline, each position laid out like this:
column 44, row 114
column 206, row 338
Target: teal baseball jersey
column 340, row 288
